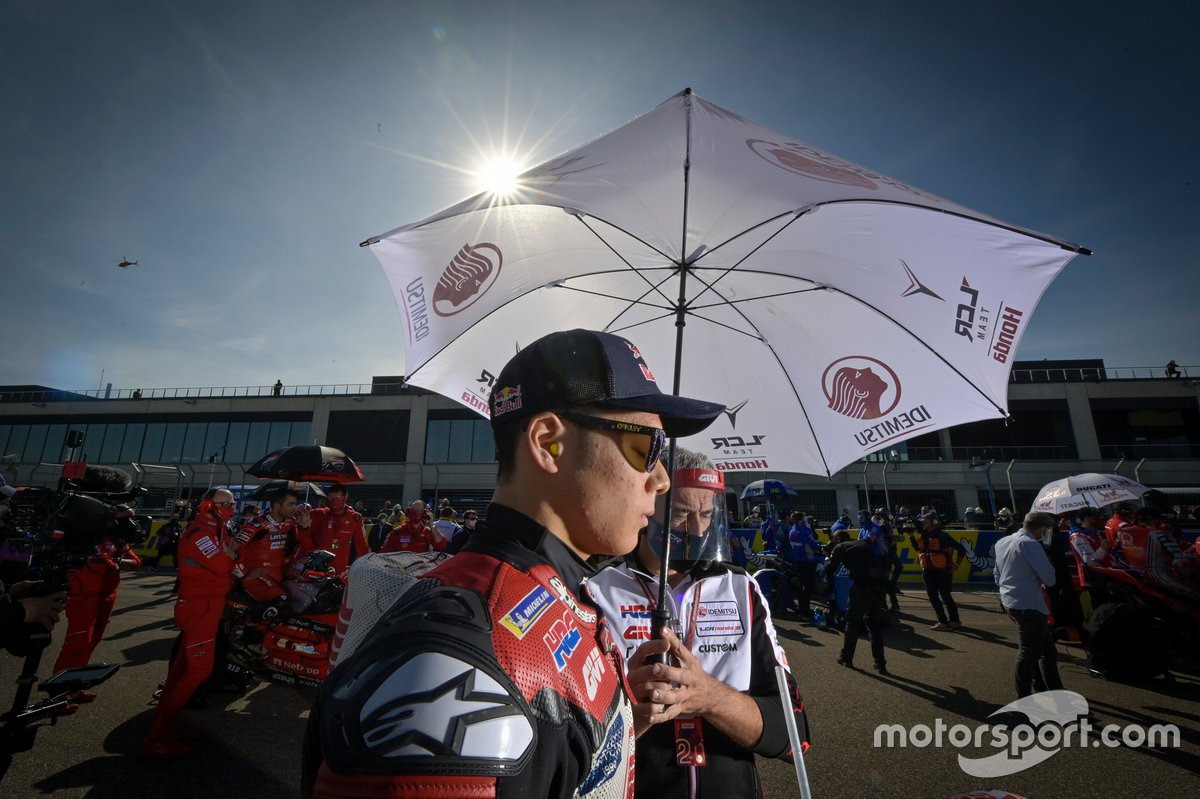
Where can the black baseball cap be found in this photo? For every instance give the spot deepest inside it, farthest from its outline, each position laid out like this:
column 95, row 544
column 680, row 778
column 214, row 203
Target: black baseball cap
column 587, row 367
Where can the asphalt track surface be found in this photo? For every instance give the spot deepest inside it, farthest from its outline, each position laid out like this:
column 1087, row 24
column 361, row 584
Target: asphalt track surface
column 253, row 744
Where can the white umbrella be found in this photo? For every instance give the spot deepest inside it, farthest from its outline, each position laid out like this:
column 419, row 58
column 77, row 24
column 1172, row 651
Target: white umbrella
column 834, row 310
column 1088, row 490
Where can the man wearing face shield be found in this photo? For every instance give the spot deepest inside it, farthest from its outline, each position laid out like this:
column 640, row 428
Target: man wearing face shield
column 719, row 705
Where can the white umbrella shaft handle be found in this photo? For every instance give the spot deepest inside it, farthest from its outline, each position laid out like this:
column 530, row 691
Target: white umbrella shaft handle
column 793, row 733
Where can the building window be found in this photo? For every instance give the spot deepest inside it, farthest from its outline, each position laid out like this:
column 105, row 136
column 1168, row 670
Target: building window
column 153, row 443
column 369, row 436
column 35, row 443
column 301, row 434
column 110, row 450
column 281, row 435
column 214, row 442
column 131, row 450
column 235, row 443
column 55, row 439
column 172, row 448
column 17, row 439
column 256, row 440
column 463, row 440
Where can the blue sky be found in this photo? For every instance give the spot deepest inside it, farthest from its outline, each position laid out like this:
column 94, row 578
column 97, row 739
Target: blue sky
column 240, row 151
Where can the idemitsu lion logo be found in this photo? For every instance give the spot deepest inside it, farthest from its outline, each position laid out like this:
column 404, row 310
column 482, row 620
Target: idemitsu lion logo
column 803, row 160
column 470, row 274
column 861, row 387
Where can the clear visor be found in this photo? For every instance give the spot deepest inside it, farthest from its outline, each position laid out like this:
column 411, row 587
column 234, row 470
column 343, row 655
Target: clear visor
column 699, row 521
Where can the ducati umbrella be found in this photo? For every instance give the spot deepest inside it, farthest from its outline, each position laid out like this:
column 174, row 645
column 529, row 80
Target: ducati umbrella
column 273, row 487
column 767, row 488
column 1088, row 490
column 323, row 464
column 863, row 310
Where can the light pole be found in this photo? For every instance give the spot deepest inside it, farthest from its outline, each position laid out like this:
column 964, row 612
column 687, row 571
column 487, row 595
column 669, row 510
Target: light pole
column 891, row 460
column 986, row 466
column 866, row 483
column 212, row 463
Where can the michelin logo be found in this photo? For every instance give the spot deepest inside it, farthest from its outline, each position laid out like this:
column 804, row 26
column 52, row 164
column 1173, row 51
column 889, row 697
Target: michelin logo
column 526, row 613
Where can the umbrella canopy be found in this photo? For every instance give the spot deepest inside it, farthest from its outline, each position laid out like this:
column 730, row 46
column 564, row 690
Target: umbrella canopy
column 272, row 487
column 861, row 311
column 323, row 464
column 767, row 488
column 1088, row 490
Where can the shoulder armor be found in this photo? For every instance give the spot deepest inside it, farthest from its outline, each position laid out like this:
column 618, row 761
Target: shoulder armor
column 423, row 694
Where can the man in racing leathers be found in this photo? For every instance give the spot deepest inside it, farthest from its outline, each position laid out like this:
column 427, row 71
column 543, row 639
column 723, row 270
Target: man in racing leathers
column 205, row 557
column 723, row 702
column 337, row 529
column 492, row 675
column 265, row 543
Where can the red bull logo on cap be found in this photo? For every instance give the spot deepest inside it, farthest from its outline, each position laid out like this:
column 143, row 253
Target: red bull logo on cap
column 505, row 400
column 646, row 373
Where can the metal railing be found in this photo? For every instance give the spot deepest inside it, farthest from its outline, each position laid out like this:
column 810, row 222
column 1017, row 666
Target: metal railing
column 1150, row 451
column 1007, row 452
column 209, row 392
column 1096, row 374
column 1018, row 376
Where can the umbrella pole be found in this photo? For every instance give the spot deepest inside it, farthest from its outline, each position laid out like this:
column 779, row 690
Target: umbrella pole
column 661, row 615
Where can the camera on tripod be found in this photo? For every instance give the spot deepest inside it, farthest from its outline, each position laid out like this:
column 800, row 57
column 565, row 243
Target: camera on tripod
column 62, row 530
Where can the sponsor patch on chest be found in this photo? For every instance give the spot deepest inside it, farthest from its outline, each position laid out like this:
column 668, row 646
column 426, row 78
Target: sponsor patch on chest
column 719, row 617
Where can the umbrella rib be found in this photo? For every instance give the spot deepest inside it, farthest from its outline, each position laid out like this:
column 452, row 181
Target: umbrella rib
column 764, row 243
column 722, row 324
column 752, row 299
column 922, row 342
column 639, row 324
column 736, row 236
column 636, row 271
column 775, row 355
column 615, row 297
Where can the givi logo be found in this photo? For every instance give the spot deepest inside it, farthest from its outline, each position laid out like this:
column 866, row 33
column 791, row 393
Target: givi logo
column 468, row 276
column 861, row 387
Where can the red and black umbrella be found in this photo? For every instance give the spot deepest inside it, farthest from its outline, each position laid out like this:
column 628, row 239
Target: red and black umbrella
column 318, row 464
column 271, row 488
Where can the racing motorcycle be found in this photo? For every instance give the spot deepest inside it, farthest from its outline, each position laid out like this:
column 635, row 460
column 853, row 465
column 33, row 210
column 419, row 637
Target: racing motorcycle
column 1137, row 633
column 285, row 641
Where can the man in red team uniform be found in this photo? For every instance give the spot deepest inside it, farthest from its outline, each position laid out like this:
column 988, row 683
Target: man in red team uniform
column 264, row 545
column 515, row 687
column 415, row 535
column 337, row 529
column 91, row 595
column 205, row 558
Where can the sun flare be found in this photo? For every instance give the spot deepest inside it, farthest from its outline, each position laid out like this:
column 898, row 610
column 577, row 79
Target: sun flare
column 497, row 175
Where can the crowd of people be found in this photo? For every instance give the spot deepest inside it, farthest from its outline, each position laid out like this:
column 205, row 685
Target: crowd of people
column 552, row 629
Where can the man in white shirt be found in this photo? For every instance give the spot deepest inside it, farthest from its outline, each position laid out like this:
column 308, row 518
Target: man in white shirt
column 1022, row 569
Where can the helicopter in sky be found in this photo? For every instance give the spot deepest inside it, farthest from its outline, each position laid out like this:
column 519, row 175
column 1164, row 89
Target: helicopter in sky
column 126, row 263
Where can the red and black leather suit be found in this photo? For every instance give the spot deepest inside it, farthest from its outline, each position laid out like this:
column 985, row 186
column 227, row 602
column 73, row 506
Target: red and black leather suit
column 488, row 678
column 91, row 596
column 264, row 547
column 205, row 577
column 341, row 533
